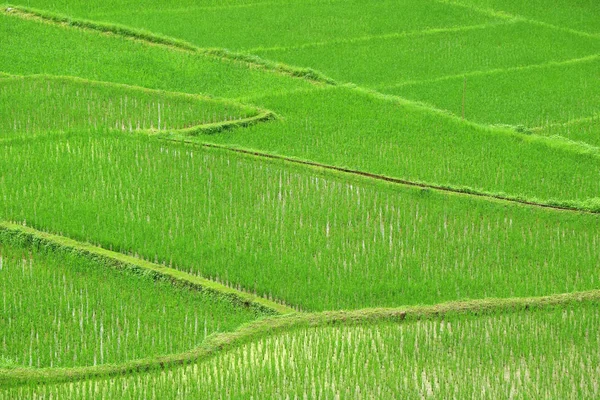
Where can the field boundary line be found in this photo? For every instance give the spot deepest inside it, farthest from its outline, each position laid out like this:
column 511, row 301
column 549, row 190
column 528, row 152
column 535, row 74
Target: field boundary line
column 261, row 115
column 495, row 13
column 495, row 71
column 593, row 118
column 33, row 237
column 385, row 36
column 590, row 207
column 260, row 328
column 308, row 74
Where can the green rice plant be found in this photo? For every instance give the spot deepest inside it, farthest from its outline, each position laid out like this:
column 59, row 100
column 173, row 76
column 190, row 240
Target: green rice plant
column 289, row 232
column 580, row 15
column 427, row 56
column 62, row 310
column 323, row 22
column 424, row 145
column 532, row 354
column 532, row 97
column 32, row 105
column 361, row 131
column 31, row 47
column 586, row 130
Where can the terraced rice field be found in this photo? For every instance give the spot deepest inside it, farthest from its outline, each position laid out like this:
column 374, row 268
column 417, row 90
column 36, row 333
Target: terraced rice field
column 299, row 199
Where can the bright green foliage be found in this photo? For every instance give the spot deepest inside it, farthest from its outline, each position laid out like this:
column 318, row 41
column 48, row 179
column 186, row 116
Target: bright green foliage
column 400, row 140
column 580, row 15
column 586, row 130
column 414, row 144
column 55, row 50
column 32, row 105
column 322, row 22
column 427, row 56
column 530, row 97
column 290, row 232
column 539, row 354
column 62, row 310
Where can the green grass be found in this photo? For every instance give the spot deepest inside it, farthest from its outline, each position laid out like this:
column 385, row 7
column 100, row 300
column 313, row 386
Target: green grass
column 64, row 310
column 543, row 354
column 293, row 231
column 427, row 56
column 39, row 104
column 530, row 97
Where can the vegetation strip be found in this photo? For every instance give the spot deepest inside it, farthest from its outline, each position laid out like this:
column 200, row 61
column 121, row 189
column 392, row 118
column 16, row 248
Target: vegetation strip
column 223, row 342
column 590, row 207
column 251, row 61
column 19, row 232
column 225, row 125
column 384, row 36
column 502, row 14
column 550, row 64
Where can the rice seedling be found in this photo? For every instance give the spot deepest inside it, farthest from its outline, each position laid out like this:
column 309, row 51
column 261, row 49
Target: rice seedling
column 324, row 22
column 418, row 57
column 542, row 354
column 343, row 127
column 39, row 104
column 289, row 232
column 30, row 47
column 530, row 97
column 64, row 310
column 586, row 130
column 580, row 15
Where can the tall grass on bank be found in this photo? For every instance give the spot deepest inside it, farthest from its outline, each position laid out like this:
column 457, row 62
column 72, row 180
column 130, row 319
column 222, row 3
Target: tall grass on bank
column 63, row 310
column 290, row 232
column 532, row 354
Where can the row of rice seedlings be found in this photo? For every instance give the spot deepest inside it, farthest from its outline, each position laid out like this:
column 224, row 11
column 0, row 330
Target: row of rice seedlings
column 60, row 310
column 370, row 134
column 38, row 104
column 343, row 127
column 530, row 97
column 392, row 61
column 289, row 233
column 54, row 50
column 578, row 15
column 531, row 354
column 586, row 130
column 269, row 24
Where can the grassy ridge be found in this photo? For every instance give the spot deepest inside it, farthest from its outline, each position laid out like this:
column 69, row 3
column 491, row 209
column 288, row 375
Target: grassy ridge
column 586, row 130
column 581, row 15
column 416, row 144
column 37, row 104
column 529, row 97
column 29, row 237
column 356, row 242
column 396, row 60
column 249, row 61
column 92, row 55
column 324, row 21
column 60, row 309
column 354, row 119
column 406, row 317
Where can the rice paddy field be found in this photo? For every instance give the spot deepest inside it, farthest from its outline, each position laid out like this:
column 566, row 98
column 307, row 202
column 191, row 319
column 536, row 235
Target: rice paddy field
column 246, row 199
